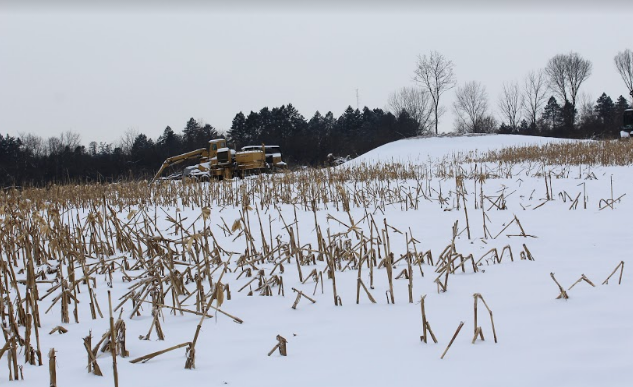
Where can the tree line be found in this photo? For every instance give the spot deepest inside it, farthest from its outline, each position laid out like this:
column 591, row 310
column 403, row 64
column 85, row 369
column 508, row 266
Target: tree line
column 547, row 102
column 30, row 160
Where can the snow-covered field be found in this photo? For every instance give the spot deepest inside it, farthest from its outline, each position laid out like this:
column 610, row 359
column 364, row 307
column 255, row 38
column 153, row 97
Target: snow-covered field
column 586, row 340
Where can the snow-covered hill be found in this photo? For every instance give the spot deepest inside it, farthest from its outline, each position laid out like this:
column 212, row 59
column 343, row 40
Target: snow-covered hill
column 421, row 150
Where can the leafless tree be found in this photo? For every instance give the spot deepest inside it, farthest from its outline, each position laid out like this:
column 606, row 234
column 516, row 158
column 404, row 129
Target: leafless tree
column 67, row 140
column 127, row 140
column 557, row 76
column 416, row 102
column 566, row 73
column 70, row 139
column 511, row 103
column 33, row 144
column 624, row 64
column 54, row 146
column 435, row 74
column 585, row 108
column 92, row 148
column 471, row 109
column 534, row 93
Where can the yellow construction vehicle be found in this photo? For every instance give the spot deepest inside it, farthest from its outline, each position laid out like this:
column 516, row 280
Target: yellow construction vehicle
column 273, row 155
column 220, row 162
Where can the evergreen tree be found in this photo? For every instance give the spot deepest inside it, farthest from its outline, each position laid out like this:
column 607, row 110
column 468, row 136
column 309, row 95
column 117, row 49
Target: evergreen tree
column 253, row 128
column 206, row 134
column 169, row 143
column 406, row 126
column 505, row 129
column 10, row 155
column 569, row 118
column 346, row 129
column 190, row 134
column 316, row 134
column 620, row 106
column 264, row 129
column 552, row 115
column 605, row 110
column 238, row 133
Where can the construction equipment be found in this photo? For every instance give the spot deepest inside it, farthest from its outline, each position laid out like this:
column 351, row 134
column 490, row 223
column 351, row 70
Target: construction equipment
column 627, row 123
column 220, row 162
column 273, row 154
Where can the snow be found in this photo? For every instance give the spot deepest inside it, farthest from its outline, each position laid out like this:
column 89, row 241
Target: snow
column 420, row 150
column 542, row 341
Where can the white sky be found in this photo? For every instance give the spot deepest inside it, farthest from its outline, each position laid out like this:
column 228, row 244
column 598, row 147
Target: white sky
column 101, row 70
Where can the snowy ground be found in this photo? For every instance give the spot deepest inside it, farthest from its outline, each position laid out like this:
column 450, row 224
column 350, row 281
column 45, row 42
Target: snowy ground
column 586, row 340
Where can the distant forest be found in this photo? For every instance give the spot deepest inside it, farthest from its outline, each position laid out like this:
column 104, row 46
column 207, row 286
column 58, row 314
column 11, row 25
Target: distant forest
column 31, row 160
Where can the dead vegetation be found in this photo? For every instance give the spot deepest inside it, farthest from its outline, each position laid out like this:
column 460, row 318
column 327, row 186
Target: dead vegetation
column 570, row 153
column 64, row 244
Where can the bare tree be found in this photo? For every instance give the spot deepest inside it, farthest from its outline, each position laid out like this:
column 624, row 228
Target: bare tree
column 566, row 73
column 556, row 74
column 510, row 103
column 416, row 102
column 33, row 144
column 70, row 139
column 534, row 93
column 585, row 108
column 471, row 109
column 127, row 140
column 578, row 70
column 435, row 73
column 54, row 146
column 624, row 64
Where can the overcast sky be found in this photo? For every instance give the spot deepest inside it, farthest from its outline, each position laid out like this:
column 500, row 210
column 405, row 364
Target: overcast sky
column 102, row 69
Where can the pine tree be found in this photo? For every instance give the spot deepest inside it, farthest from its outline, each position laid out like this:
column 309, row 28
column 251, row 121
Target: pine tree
column 190, row 134
column 406, row 126
column 552, row 115
column 205, row 134
column 238, row 132
column 605, row 110
column 169, row 143
column 569, row 118
column 346, row 130
column 620, row 106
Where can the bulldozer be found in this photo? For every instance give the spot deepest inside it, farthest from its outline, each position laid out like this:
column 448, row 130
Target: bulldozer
column 220, row 162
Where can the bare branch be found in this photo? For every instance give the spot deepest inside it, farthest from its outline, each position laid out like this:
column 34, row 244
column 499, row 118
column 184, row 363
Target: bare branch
column 566, row 73
column 534, row 93
column 416, row 102
column 510, row 103
column 556, row 73
column 127, row 140
column 471, row 109
column 435, row 73
column 578, row 70
column 624, row 64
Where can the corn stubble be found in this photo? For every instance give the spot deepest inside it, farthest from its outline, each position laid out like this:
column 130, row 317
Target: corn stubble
column 62, row 240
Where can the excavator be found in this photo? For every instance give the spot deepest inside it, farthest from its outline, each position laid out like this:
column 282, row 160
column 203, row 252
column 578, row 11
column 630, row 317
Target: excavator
column 220, row 162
